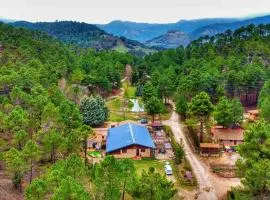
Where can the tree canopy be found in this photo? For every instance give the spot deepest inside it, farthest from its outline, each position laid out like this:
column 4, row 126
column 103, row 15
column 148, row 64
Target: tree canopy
column 254, row 165
column 94, row 110
column 228, row 112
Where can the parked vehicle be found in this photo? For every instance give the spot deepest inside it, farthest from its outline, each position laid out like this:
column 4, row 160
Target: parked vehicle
column 168, row 169
column 144, row 121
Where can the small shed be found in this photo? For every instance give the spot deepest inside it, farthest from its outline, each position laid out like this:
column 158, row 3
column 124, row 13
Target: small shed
column 209, row 148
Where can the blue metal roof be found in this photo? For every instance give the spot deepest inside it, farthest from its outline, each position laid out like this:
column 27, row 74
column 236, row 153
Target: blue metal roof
column 126, row 135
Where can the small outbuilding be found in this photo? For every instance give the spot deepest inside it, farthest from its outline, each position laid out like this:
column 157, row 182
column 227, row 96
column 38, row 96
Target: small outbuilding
column 98, row 139
column 209, row 148
column 129, row 141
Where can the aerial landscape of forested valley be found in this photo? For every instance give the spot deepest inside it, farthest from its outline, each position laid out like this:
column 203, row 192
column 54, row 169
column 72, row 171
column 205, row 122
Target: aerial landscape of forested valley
column 141, row 111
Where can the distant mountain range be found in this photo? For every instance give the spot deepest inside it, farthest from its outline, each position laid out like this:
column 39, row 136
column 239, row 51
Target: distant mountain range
column 137, row 38
column 87, row 36
column 161, row 35
column 143, row 32
column 222, row 27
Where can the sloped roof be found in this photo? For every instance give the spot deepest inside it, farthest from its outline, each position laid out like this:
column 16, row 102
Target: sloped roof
column 209, row 145
column 228, row 133
column 127, row 135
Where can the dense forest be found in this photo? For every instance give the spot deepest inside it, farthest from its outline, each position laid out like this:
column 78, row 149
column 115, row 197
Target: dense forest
column 38, row 123
column 42, row 124
column 233, row 63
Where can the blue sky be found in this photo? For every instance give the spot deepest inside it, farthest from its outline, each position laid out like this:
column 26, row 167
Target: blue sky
column 104, row 11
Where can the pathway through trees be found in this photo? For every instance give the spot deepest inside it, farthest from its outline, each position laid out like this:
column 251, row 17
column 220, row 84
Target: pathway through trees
column 211, row 187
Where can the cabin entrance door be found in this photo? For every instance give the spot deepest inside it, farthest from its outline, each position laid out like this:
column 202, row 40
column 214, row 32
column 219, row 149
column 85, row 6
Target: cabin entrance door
column 137, row 152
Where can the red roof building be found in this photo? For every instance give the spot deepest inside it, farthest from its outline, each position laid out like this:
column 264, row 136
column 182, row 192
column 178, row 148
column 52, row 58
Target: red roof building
column 228, row 136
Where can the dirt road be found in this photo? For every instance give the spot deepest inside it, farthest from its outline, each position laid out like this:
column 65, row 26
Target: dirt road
column 211, row 187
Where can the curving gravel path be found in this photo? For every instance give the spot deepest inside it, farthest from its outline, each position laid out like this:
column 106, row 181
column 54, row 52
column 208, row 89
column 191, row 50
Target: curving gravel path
column 211, row 186
column 206, row 189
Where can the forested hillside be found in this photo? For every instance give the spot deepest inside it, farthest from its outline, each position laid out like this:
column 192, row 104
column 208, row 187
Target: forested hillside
column 86, row 36
column 234, row 63
column 38, row 123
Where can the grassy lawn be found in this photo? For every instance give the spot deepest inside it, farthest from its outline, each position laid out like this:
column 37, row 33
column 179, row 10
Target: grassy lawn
column 119, row 116
column 116, row 110
column 114, row 104
column 144, row 164
column 131, row 90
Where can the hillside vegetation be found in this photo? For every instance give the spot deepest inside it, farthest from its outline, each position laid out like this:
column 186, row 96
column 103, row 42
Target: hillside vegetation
column 172, row 39
column 43, row 132
column 44, row 128
column 234, row 63
column 86, row 36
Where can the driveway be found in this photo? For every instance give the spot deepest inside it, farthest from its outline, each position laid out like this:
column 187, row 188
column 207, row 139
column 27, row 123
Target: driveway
column 211, row 187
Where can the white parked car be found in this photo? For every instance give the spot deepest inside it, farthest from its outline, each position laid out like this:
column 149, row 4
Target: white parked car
column 168, row 169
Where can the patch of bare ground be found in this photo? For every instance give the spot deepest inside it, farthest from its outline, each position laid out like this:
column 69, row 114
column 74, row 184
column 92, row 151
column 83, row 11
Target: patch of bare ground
column 7, row 190
column 222, row 184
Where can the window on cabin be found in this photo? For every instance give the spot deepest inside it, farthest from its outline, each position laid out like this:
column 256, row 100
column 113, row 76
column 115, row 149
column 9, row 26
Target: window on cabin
column 142, row 150
column 124, row 151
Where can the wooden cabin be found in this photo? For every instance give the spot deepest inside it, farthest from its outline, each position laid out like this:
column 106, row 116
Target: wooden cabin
column 129, row 141
column 209, row 148
column 228, row 137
